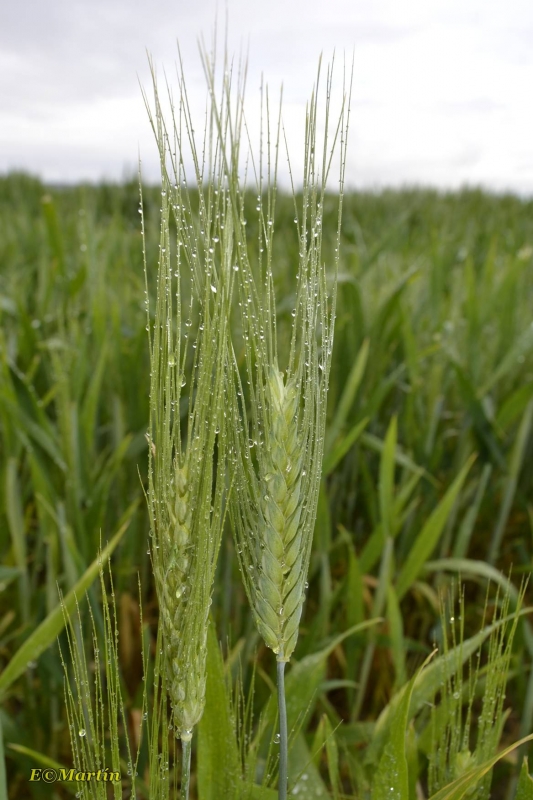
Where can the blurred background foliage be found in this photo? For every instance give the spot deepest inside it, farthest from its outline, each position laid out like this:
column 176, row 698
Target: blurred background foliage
column 427, row 467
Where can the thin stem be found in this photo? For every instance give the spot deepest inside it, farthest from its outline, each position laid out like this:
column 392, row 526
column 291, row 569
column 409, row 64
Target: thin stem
column 283, row 738
column 186, row 746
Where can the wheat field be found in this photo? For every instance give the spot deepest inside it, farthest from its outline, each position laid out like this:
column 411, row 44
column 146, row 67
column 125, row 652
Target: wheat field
column 423, row 525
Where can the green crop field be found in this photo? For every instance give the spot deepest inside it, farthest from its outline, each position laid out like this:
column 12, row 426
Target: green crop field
column 425, row 512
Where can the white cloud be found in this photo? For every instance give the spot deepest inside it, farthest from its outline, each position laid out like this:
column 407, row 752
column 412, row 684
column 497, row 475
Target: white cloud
column 441, row 89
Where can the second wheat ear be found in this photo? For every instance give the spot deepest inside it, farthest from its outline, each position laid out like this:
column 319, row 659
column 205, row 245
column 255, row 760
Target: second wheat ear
column 279, row 417
column 188, row 431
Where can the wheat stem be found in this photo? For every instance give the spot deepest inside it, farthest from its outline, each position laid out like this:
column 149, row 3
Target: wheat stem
column 283, row 736
column 186, row 747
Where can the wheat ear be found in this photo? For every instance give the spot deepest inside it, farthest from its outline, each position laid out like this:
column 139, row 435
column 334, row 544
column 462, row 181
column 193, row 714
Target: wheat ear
column 280, row 557
column 278, row 436
column 187, row 462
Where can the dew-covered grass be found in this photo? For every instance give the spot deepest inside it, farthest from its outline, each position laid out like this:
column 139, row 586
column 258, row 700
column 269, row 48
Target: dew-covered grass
column 425, row 485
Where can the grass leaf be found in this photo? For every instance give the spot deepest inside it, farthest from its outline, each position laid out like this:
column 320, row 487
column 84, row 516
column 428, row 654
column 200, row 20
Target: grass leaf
column 459, row 788
column 348, row 396
column 524, row 790
column 47, row 632
column 72, row 787
column 3, row 777
column 430, row 533
column 218, row 757
column 392, row 776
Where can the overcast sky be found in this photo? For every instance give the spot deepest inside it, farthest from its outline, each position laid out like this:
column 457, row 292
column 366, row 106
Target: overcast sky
column 443, row 89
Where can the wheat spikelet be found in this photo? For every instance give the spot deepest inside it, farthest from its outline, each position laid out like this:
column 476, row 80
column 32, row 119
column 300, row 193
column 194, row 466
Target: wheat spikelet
column 172, row 578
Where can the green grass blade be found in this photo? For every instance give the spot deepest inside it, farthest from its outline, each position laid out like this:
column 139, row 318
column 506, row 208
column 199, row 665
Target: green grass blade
column 376, row 444
column 483, row 426
column 15, row 520
column 54, row 234
column 348, row 396
column 40, row 434
column 460, row 787
column 354, row 611
column 392, row 776
column 322, row 547
column 372, row 549
column 378, row 606
column 398, row 649
column 430, row 682
column 263, row 793
column 48, row 630
column 218, row 769
column 513, row 406
column 7, row 575
column 386, row 479
column 341, row 447
column 304, row 778
column 515, row 466
column 90, row 403
column 332, row 752
column 72, row 787
column 467, row 566
column 520, row 348
column 3, row 776
column 462, row 541
column 524, row 790
column 429, row 535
